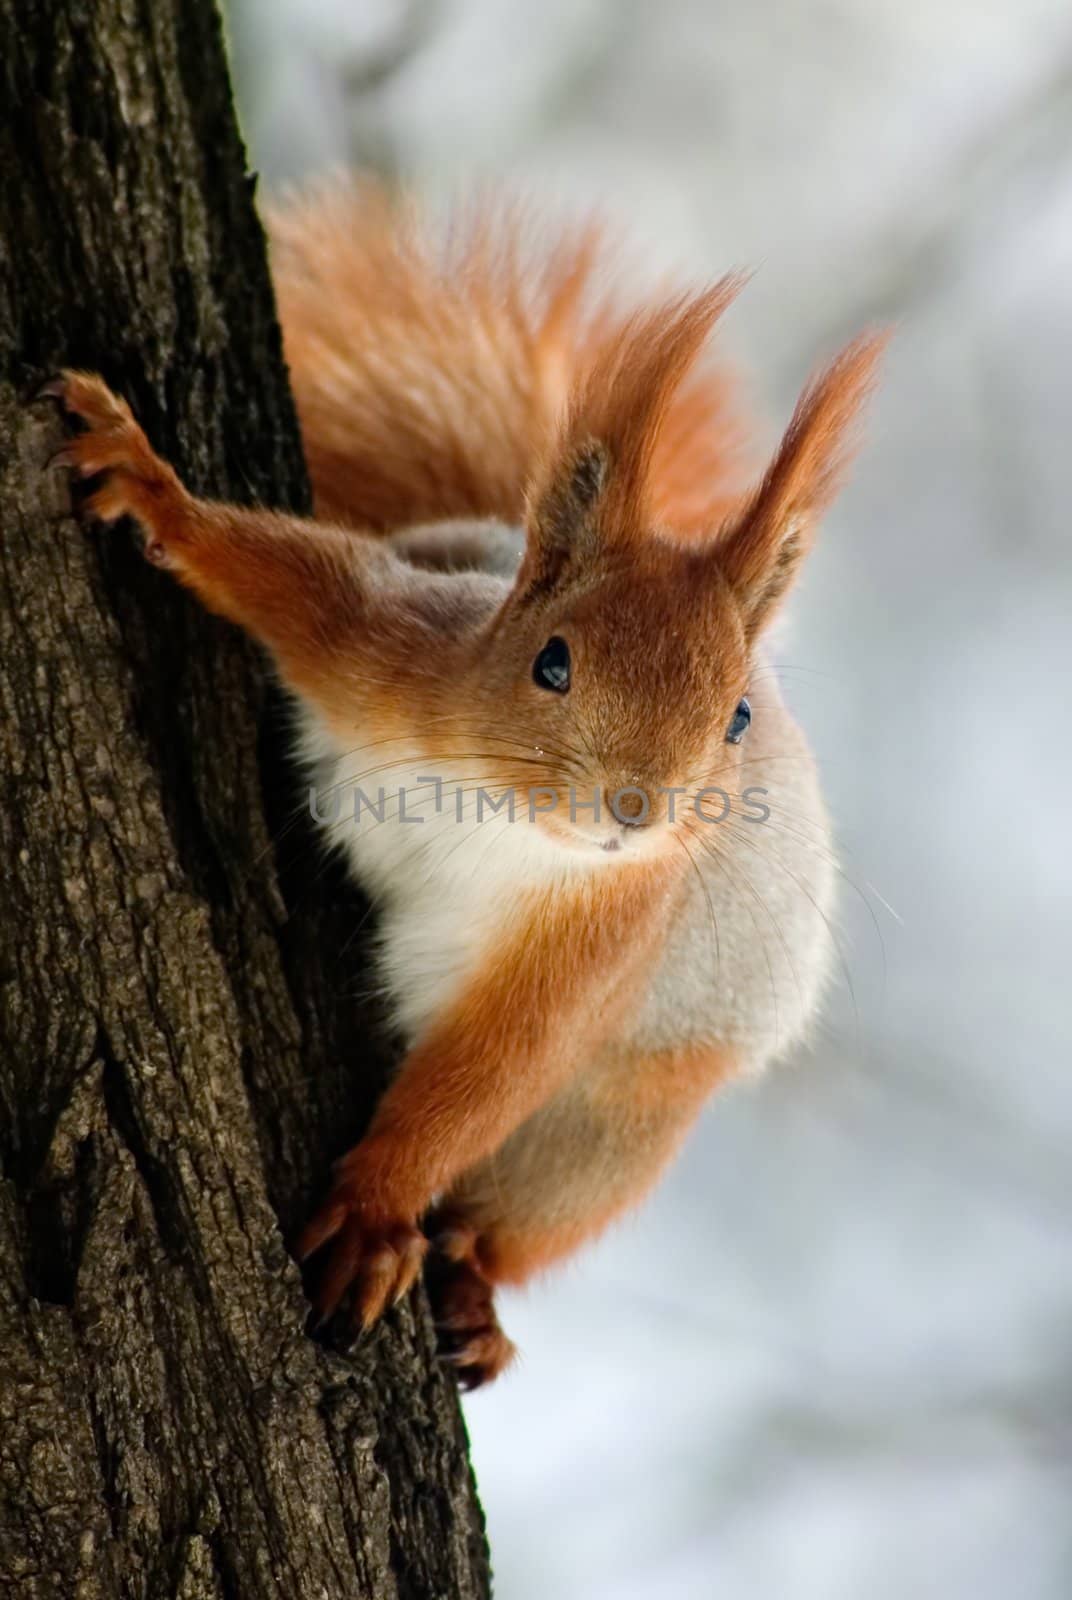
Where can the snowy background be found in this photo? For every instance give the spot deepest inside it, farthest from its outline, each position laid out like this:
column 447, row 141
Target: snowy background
column 833, row 1359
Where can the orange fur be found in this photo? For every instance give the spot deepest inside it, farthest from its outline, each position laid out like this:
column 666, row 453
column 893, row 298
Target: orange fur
column 476, row 383
column 432, row 370
column 516, row 1032
column 650, row 1100
column 622, row 401
column 764, row 547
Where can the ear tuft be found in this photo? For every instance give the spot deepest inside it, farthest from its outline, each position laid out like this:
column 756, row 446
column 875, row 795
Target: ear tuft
column 624, row 396
column 559, row 517
column 589, row 475
column 761, row 550
column 593, row 488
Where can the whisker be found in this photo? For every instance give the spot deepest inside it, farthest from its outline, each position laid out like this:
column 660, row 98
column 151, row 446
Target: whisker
column 718, row 859
column 835, row 941
column 682, row 840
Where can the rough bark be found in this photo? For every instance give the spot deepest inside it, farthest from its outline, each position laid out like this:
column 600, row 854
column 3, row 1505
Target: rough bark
column 182, row 1046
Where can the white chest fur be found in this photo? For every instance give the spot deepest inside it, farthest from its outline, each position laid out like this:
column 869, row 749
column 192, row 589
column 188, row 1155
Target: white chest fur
column 446, row 870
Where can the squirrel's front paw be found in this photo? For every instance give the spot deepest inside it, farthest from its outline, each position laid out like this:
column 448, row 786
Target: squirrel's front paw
column 135, row 482
column 381, row 1259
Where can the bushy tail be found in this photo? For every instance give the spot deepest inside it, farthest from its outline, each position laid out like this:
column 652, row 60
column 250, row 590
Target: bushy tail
column 430, row 366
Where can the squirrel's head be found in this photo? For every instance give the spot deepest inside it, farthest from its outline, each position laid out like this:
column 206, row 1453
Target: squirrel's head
column 619, row 664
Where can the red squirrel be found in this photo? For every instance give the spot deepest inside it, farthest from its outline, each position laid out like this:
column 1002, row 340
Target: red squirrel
column 533, row 570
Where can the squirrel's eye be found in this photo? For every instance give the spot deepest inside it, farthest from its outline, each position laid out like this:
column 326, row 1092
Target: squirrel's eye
column 737, row 729
column 551, row 667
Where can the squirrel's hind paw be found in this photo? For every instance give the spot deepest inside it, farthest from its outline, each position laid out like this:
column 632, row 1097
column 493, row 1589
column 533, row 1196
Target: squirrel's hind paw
column 467, row 1329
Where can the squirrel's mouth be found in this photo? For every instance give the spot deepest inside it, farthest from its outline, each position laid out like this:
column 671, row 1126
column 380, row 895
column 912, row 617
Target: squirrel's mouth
column 628, row 841
column 625, row 841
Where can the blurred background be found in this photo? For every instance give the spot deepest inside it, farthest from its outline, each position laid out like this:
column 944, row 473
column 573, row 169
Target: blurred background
column 832, row 1360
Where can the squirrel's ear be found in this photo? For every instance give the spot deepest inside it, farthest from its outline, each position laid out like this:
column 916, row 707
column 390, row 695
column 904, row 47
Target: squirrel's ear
column 592, row 489
column 762, row 548
column 560, row 519
column 563, row 512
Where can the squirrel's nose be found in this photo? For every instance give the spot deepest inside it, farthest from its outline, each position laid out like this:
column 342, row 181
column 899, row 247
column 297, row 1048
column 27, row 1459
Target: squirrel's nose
column 630, row 806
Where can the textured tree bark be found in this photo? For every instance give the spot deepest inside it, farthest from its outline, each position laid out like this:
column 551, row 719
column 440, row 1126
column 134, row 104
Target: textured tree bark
column 181, row 1045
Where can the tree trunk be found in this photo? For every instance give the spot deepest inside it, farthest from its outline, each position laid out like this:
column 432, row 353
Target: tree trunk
column 183, row 1047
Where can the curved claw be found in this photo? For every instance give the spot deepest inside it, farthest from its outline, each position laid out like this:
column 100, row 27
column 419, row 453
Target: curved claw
column 342, row 1267
column 410, row 1247
column 321, row 1228
column 480, row 1358
column 470, row 1337
column 381, row 1261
